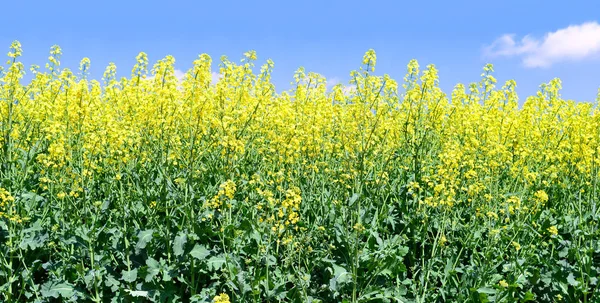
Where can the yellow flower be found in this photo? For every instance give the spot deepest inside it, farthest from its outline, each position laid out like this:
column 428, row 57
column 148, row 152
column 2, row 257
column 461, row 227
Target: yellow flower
column 359, row 227
column 443, row 240
column 15, row 50
column 222, row 298
column 228, row 189
column 516, row 245
column 370, row 59
column 503, row 284
column 541, row 196
column 250, row 55
column 553, row 230
column 492, row 214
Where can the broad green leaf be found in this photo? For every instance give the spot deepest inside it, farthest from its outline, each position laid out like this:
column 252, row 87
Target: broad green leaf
column 340, row 273
column 340, row 276
column 137, row 293
column 402, row 251
column 32, row 198
column 53, row 289
column 179, row 244
column 168, row 272
column 564, row 252
column 572, row 281
column 200, row 252
column 270, row 260
column 215, row 263
column 33, row 241
column 112, row 282
column 129, row 275
column 33, row 237
column 153, row 269
column 144, row 237
column 83, row 232
column 89, row 277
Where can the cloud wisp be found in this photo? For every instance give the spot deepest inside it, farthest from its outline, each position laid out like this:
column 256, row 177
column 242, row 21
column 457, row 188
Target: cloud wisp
column 572, row 43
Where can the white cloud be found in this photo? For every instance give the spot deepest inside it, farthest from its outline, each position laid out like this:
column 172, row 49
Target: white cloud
column 347, row 90
column 180, row 75
column 575, row 42
column 215, row 77
column 330, row 83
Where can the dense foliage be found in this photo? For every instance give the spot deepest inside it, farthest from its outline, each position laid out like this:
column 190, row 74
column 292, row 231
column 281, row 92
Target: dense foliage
column 154, row 188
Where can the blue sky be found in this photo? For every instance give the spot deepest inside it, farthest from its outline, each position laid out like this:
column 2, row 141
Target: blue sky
column 529, row 41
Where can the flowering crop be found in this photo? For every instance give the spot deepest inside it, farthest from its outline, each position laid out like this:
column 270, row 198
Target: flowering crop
column 153, row 187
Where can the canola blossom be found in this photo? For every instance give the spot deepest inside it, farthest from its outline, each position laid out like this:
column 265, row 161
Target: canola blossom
column 150, row 187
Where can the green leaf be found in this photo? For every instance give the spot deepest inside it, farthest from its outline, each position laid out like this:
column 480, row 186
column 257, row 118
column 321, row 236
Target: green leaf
column 137, row 293
column 83, row 232
column 377, row 237
column 340, row 276
column 33, row 237
column 144, row 237
column 32, row 197
column 215, row 263
column 571, row 280
column 89, row 277
column 563, row 253
column 402, row 251
column 129, row 275
column 179, row 244
column 200, row 252
column 168, row 272
column 153, row 269
column 486, row 290
column 56, row 290
column 112, row 282
column 353, row 198
column 33, row 241
column 529, row 296
column 270, row 260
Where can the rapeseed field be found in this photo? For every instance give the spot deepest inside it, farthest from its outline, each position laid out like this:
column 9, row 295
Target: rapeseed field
column 151, row 188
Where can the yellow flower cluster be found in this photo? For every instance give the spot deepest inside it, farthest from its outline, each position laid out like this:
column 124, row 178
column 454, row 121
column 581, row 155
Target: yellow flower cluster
column 553, row 230
column 222, row 298
column 278, row 209
column 226, row 193
column 280, row 213
column 516, row 245
column 359, row 227
column 541, row 196
column 291, row 205
column 5, row 200
column 467, row 148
